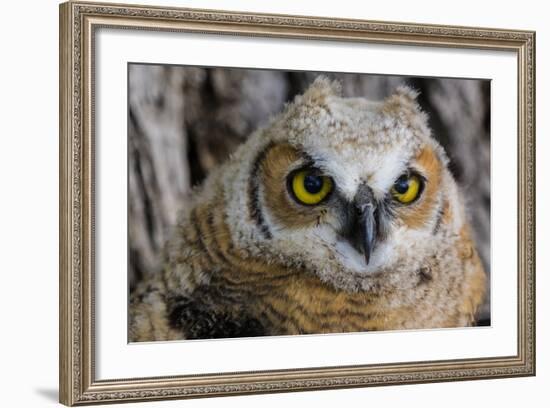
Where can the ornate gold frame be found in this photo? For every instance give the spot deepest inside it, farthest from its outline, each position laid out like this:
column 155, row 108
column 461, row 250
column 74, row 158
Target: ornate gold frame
column 78, row 22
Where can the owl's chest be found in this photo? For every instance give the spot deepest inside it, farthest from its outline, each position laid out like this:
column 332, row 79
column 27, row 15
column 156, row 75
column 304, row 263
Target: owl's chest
column 305, row 305
column 285, row 301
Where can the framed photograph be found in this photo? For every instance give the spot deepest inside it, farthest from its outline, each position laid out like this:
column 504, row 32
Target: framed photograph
column 256, row 203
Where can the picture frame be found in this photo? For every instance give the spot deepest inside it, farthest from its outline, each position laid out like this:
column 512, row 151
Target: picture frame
column 79, row 25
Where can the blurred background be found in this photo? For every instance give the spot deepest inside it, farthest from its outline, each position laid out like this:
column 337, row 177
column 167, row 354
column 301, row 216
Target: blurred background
column 184, row 121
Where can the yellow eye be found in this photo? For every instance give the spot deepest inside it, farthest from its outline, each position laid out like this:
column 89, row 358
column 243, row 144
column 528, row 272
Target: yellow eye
column 407, row 188
column 309, row 187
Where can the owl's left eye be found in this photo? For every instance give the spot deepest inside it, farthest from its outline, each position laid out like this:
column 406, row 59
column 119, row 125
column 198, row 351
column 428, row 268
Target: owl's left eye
column 309, row 186
column 407, row 188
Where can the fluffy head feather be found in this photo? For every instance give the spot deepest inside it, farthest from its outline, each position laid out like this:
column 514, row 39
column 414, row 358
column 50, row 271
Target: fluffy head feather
column 355, row 141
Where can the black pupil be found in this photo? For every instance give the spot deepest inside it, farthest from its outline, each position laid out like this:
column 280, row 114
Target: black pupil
column 402, row 184
column 313, row 184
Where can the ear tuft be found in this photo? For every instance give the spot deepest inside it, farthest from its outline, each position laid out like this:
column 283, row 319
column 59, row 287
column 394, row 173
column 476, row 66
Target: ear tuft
column 321, row 88
column 403, row 97
column 407, row 93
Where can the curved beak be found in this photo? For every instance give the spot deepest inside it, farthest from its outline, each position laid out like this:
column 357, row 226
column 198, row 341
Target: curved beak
column 362, row 227
column 367, row 228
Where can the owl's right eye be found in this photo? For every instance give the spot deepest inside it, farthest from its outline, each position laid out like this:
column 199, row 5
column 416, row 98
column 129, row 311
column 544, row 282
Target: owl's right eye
column 309, row 187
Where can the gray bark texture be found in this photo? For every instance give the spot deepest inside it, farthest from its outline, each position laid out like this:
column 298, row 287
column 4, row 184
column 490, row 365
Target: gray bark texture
column 184, row 121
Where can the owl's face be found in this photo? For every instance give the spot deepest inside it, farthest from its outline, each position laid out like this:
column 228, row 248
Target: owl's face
column 347, row 188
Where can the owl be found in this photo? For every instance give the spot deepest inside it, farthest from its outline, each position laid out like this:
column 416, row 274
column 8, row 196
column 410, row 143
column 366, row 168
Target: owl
column 340, row 215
